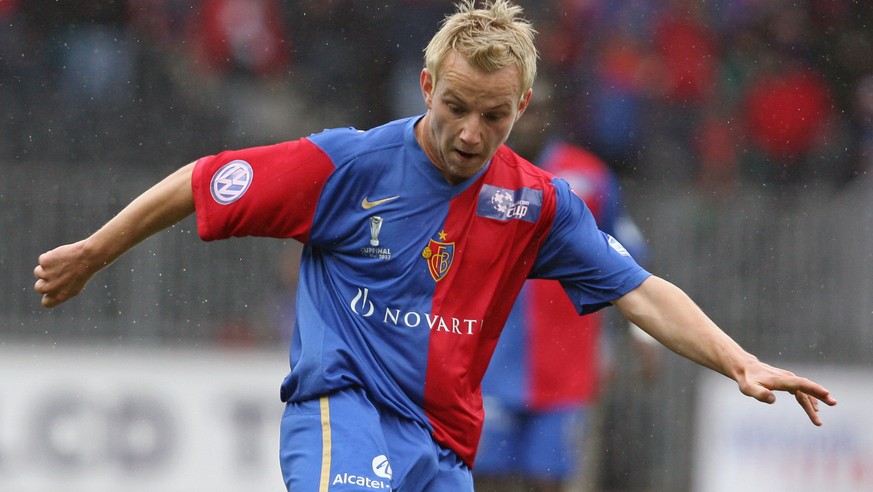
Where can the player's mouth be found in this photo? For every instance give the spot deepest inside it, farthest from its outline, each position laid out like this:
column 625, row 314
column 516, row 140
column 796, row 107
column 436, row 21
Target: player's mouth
column 466, row 155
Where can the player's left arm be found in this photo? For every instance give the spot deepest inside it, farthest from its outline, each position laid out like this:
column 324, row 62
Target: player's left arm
column 668, row 314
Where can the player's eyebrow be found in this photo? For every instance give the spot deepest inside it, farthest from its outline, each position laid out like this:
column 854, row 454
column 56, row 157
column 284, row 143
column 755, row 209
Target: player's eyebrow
column 501, row 106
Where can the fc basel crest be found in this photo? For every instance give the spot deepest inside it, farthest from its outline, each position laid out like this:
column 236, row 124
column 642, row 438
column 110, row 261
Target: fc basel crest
column 439, row 257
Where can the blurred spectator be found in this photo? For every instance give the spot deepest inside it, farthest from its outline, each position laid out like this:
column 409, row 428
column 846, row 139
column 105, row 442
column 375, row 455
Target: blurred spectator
column 90, row 67
column 594, row 50
column 615, row 100
column 788, row 114
column 686, row 51
column 681, row 83
column 242, row 36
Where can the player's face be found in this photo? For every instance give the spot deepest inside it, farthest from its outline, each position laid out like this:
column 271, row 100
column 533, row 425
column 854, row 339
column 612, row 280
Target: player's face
column 470, row 114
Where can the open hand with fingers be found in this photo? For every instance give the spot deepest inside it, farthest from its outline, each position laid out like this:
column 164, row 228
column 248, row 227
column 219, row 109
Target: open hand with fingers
column 760, row 380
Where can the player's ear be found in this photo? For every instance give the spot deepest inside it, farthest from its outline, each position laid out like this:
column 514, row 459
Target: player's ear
column 523, row 103
column 426, row 83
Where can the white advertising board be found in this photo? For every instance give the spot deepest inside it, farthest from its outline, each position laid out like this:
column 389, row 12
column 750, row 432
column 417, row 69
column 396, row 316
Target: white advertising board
column 742, row 444
column 109, row 419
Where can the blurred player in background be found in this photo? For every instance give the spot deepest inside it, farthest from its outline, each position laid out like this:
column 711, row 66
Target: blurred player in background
column 419, row 235
column 545, row 371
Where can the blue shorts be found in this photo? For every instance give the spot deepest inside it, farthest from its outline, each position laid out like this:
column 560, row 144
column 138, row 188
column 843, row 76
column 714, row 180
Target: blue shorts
column 544, row 445
column 343, row 442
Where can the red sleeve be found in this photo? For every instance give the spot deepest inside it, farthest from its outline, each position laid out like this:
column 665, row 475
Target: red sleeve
column 262, row 191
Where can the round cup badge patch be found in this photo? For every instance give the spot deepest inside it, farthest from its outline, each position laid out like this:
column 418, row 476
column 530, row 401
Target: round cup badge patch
column 231, row 181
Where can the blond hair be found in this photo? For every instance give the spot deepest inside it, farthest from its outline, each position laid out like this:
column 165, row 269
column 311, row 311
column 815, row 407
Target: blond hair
column 490, row 38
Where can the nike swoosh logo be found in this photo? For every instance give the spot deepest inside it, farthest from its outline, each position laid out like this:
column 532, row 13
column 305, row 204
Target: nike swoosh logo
column 367, row 204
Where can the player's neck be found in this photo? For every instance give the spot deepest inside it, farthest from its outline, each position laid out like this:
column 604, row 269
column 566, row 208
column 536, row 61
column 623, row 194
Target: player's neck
column 425, row 141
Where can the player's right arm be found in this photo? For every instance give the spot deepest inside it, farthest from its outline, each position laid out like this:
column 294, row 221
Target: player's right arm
column 668, row 314
column 64, row 271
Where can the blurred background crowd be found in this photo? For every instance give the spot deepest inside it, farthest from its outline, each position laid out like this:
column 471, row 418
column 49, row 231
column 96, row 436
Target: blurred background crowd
column 717, row 91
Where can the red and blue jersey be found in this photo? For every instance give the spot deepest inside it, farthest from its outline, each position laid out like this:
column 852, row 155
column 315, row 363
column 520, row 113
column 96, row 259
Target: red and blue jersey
column 406, row 280
column 547, row 356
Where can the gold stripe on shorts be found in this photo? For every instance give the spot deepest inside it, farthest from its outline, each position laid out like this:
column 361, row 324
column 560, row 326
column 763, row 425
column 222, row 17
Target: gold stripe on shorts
column 325, row 444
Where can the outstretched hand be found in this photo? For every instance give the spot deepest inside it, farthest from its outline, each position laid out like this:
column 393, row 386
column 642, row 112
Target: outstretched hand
column 761, row 380
column 62, row 273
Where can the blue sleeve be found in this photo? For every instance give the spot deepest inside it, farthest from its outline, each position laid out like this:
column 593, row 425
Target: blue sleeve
column 337, row 143
column 593, row 267
column 345, row 144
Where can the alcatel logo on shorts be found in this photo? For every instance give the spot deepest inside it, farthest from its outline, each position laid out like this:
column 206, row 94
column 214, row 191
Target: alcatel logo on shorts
column 231, row 181
column 381, row 467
